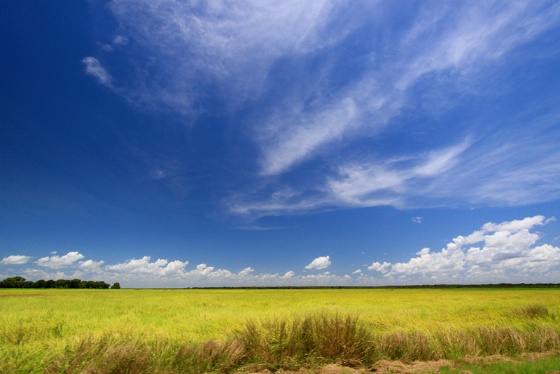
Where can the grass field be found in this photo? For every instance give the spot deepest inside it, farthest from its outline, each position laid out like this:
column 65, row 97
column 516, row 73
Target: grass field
column 173, row 331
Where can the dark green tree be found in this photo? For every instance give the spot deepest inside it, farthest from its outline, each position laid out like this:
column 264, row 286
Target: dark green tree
column 13, row 282
column 74, row 283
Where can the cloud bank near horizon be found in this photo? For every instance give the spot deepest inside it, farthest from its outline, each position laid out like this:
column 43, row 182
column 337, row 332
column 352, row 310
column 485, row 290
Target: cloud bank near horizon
column 507, row 252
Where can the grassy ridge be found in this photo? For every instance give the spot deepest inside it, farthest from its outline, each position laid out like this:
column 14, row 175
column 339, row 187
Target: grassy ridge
column 222, row 330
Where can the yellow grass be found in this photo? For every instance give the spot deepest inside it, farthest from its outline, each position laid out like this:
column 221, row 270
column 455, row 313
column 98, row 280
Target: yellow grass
column 63, row 330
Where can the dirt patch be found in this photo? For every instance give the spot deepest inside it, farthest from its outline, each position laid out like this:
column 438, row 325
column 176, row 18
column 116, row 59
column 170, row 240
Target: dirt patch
column 417, row 367
column 386, row 366
column 539, row 355
column 532, row 356
column 383, row 366
column 476, row 360
column 22, row 295
column 328, row 369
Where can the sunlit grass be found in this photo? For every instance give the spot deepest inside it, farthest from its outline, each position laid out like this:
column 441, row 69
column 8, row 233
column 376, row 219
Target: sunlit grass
column 169, row 330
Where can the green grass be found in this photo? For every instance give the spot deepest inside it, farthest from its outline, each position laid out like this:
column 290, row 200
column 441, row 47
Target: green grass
column 136, row 331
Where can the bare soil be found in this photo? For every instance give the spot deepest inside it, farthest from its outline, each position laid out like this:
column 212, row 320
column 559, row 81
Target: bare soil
column 383, row 366
column 417, row 367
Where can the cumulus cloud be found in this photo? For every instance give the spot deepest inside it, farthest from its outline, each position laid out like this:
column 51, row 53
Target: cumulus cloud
column 380, row 267
column 504, row 252
column 58, row 262
column 95, row 69
column 90, row 265
column 246, row 271
column 319, row 263
column 15, row 260
column 160, row 267
column 498, row 252
column 288, row 275
column 202, row 269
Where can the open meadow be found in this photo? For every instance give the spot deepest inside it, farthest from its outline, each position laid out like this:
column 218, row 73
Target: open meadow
column 215, row 330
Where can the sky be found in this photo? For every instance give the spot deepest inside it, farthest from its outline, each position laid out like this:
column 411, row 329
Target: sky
column 161, row 143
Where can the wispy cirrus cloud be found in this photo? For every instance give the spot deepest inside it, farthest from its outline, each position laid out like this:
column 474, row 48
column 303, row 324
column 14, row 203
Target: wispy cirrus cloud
column 283, row 147
column 448, row 47
column 363, row 184
column 452, row 41
column 359, row 184
column 320, row 87
column 231, row 45
column 96, row 70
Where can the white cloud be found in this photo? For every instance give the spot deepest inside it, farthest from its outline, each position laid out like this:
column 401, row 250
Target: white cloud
column 470, row 37
column 231, row 45
column 90, row 265
column 15, row 260
column 380, row 267
column 417, row 219
column 508, row 253
column 391, row 183
column 451, row 45
column 246, row 271
column 498, row 252
column 202, row 269
column 95, row 69
column 58, row 262
column 288, row 275
column 444, row 263
column 160, row 267
column 283, row 146
column 319, row 263
column 364, row 184
column 177, row 52
column 516, row 225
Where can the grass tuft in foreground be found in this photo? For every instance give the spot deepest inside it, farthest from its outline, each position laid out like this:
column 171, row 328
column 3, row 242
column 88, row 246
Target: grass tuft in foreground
column 309, row 341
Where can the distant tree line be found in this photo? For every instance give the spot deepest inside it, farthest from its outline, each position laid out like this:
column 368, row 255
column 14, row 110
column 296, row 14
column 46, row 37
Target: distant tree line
column 435, row 286
column 20, row 282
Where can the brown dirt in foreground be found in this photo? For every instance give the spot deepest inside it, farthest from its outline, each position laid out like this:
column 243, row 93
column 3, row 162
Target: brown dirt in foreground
column 417, row 367
column 383, row 366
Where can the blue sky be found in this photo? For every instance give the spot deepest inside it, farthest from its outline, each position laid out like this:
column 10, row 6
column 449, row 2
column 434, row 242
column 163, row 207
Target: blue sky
column 244, row 143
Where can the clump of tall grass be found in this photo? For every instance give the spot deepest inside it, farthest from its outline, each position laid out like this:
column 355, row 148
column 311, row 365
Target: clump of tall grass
column 533, row 311
column 406, row 346
column 102, row 355
column 308, row 341
column 211, row 356
column 107, row 355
